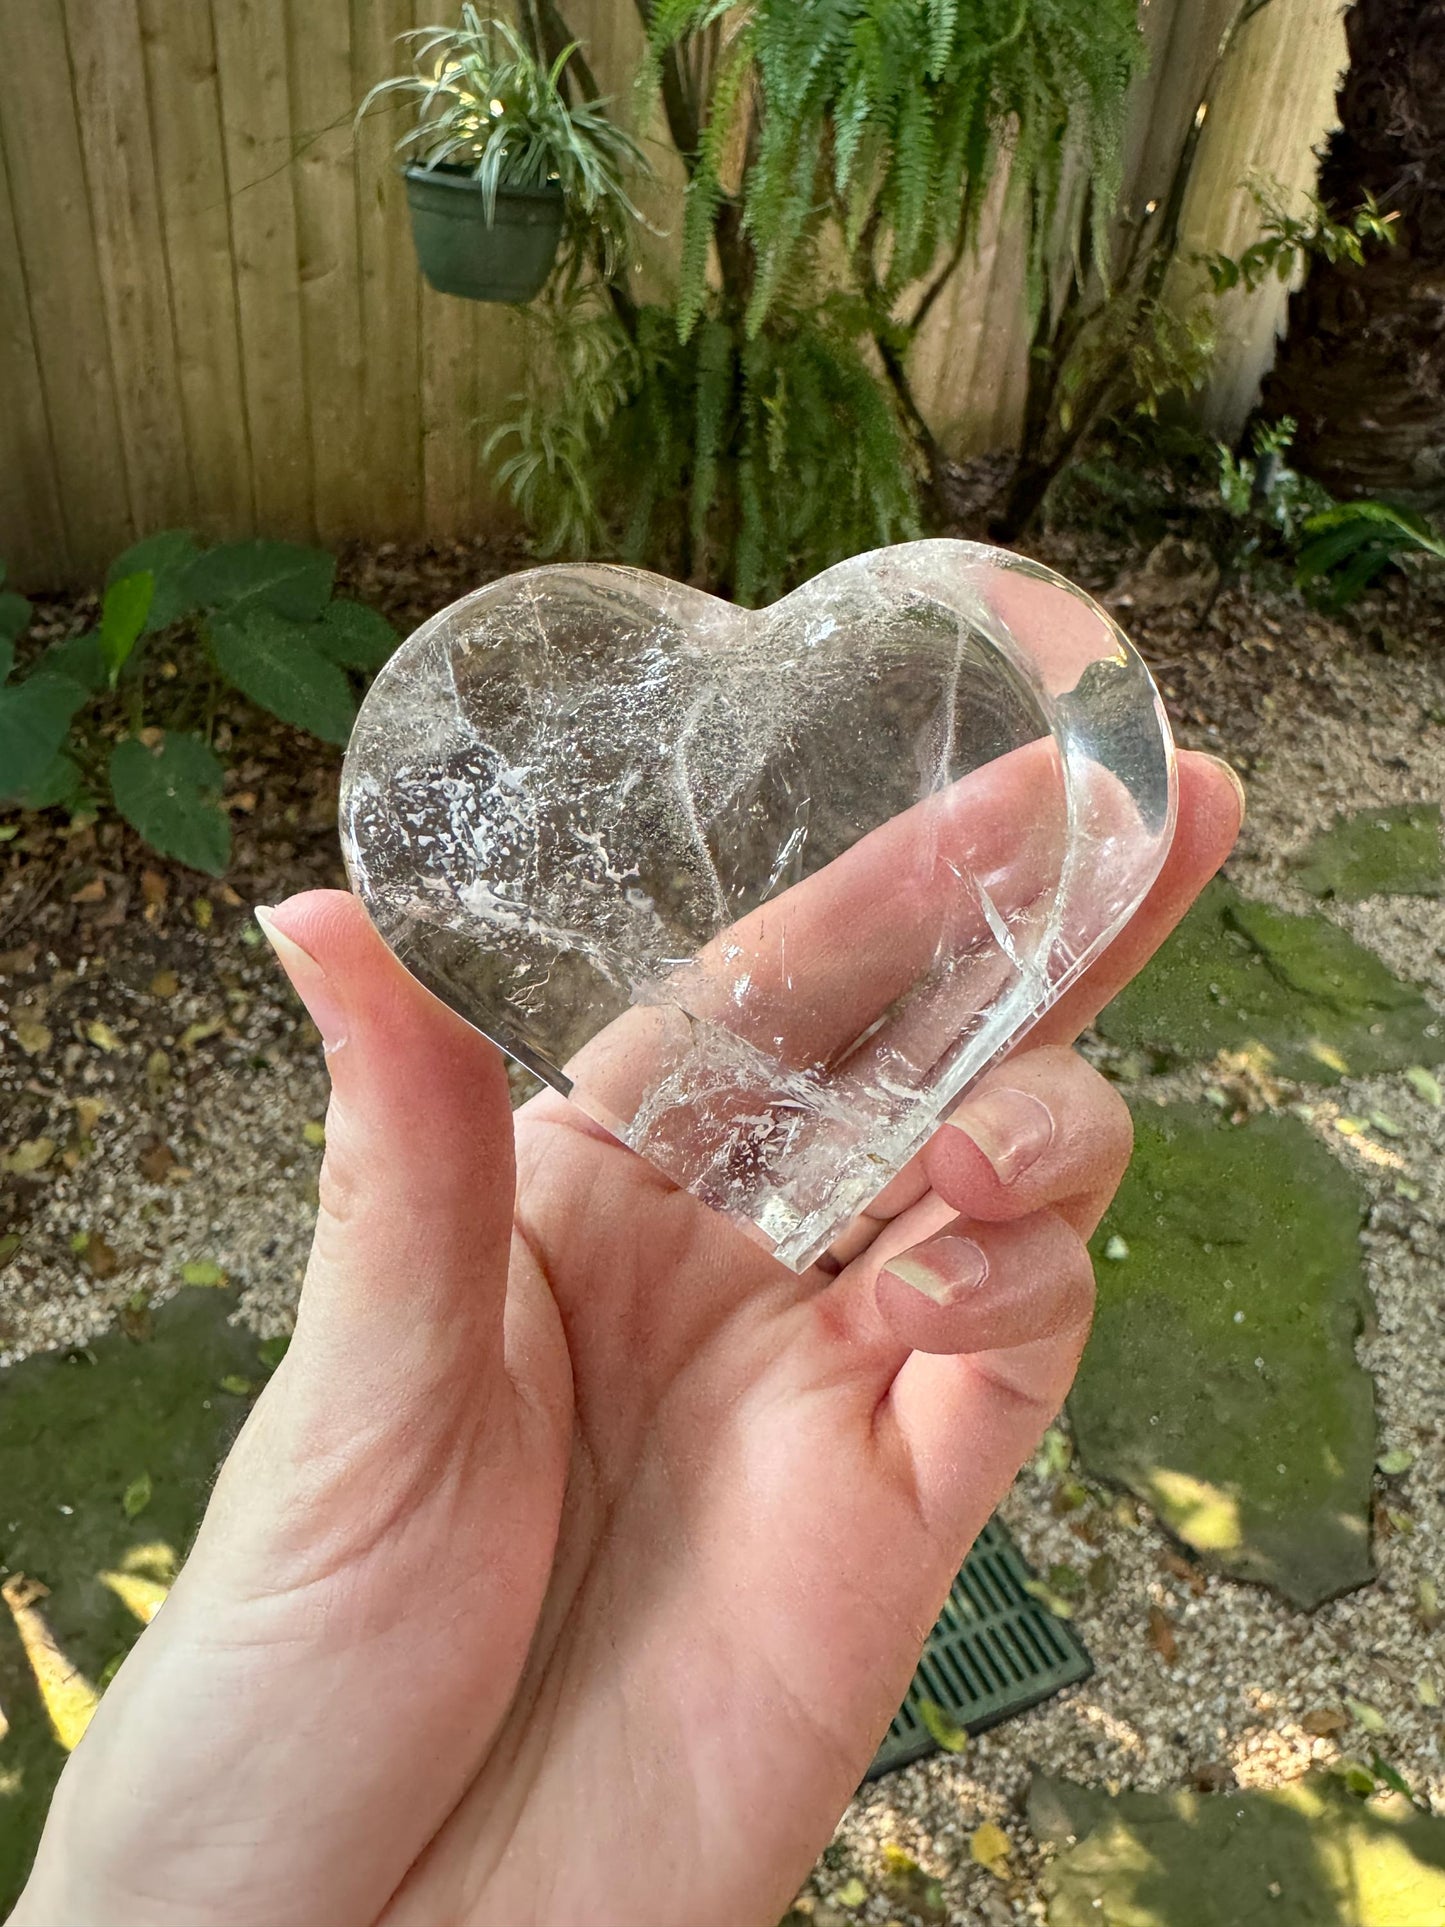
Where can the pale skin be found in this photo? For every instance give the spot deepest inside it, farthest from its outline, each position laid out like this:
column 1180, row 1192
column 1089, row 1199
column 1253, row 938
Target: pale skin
column 574, row 1561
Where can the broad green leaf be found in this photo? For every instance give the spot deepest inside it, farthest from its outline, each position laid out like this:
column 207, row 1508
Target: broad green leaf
column 61, row 783
column 168, row 557
column 945, row 1732
column 272, row 1350
column 123, row 619
column 78, row 660
column 137, row 1496
column 355, row 636
column 280, row 576
column 7, row 658
column 202, row 1271
column 275, row 663
column 34, row 720
column 170, row 796
column 14, row 615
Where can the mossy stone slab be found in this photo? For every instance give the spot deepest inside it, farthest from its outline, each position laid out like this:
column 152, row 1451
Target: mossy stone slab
column 1221, row 1383
column 1298, row 992
column 1305, row 1855
column 1376, row 853
column 79, row 1430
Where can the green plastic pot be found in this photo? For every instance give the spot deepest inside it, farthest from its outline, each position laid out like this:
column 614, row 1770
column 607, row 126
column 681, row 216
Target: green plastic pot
column 460, row 252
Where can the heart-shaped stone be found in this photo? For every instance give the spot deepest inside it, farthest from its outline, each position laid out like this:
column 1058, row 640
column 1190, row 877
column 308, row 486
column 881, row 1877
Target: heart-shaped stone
column 762, row 891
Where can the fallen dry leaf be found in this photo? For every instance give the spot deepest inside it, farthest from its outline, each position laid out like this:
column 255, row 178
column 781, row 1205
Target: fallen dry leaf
column 88, row 1113
column 154, row 888
column 165, row 983
column 158, row 1075
column 197, row 1033
column 101, row 1258
column 1184, row 1570
column 100, row 1034
column 1324, row 1721
column 30, row 1155
column 1162, row 1636
column 156, row 1162
column 204, row 912
column 19, row 963
column 92, row 892
column 989, row 1846
column 34, row 1039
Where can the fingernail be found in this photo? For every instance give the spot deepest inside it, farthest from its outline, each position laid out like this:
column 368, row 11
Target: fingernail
column 1012, row 1128
column 1234, row 777
column 945, row 1269
column 308, row 980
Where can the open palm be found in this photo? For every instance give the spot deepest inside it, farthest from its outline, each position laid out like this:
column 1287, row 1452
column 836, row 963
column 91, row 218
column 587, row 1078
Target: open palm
column 571, row 1567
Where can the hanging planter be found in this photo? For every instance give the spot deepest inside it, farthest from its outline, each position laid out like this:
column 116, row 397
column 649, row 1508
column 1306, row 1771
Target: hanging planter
column 463, row 248
column 509, row 165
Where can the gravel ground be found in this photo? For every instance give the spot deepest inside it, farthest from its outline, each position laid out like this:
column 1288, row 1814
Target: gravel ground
column 150, row 1043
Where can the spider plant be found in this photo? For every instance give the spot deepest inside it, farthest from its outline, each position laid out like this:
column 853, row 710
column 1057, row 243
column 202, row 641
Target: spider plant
column 489, row 108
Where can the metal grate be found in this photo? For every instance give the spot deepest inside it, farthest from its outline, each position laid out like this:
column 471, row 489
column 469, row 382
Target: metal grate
column 994, row 1652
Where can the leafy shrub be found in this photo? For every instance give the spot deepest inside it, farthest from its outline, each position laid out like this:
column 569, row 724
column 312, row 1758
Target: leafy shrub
column 488, row 104
column 96, row 715
column 1349, row 546
column 1263, row 489
column 761, row 422
column 746, row 463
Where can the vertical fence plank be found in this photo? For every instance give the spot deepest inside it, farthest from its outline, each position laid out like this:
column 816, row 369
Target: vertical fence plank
column 322, row 103
column 185, row 117
column 451, row 345
column 257, row 127
column 1272, row 113
column 390, row 297
column 57, row 250
column 32, row 532
column 115, row 137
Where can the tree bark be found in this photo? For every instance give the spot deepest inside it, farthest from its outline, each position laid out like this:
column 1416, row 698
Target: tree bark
column 1362, row 369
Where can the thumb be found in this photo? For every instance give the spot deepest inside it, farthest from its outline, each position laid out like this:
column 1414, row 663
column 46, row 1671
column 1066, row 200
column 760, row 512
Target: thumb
column 408, row 1269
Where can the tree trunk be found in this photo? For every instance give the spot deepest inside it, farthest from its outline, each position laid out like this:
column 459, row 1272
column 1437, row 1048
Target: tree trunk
column 1362, row 368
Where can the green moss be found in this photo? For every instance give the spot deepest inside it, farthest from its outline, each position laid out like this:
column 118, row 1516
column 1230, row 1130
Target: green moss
column 1305, row 1855
column 1376, row 853
column 106, row 1459
column 1298, row 992
column 1221, row 1383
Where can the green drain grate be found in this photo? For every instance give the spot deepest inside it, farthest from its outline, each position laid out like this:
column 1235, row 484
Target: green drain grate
column 994, row 1652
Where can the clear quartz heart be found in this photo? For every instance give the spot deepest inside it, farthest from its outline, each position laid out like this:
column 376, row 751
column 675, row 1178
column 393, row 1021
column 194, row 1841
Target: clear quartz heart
column 761, row 891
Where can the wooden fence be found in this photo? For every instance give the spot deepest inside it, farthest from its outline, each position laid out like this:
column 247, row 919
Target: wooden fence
column 210, row 315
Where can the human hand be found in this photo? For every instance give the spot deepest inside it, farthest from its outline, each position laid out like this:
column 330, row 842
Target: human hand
column 575, row 1559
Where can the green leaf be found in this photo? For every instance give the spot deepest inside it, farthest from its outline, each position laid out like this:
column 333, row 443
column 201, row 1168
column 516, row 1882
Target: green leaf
column 279, row 576
column 14, row 615
column 170, row 796
column 852, row 1893
column 272, row 1350
column 1365, row 1715
column 945, row 1732
column 274, row 662
column 137, row 1496
column 1395, row 1462
column 168, row 558
column 202, row 1271
column 1424, row 1084
column 354, row 635
column 78, row 660
column 60, row 785
column 237, row 1386
column 34, row 720
column 1388, row 1776
column 123, row 619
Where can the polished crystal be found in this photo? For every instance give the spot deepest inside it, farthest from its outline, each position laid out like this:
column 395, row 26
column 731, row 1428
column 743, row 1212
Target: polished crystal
column 761, row 891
